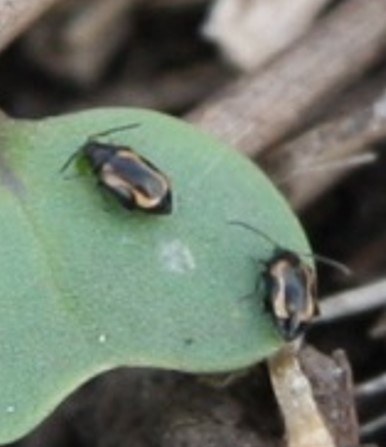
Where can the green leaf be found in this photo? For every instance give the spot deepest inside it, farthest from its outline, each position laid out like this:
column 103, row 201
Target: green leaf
column 86, row 286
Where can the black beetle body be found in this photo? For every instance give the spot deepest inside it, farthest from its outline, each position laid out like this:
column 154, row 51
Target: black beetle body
column 132, row 179
column 291, row 293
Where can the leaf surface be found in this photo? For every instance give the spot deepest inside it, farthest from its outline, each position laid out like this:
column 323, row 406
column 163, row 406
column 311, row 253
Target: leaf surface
column 86, row 285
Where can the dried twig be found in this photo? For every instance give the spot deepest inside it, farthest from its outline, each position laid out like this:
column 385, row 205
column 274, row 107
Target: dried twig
column 373, row 426
column 172, row 3
column 294, row 164
column 304, row 424
column 259, row 110
column 361, row 299
column 252, row 33
column 87, row 34
column 378, row 329
column 16, row 16
column 173, row 91
column 372, row 387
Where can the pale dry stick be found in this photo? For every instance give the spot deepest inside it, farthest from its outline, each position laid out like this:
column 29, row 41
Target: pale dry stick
column 371, row 387
column 17, row 15
column 251, row 34
column 318, row 165
column 171, row 91
column 304, row 424
column 368, row 390
column 172, row 3
column 259, row 110
column 333, row 141
column 374, row 426
column 92, row 23
column 352, row 302
column 378, row 329
column 357, row 96
column 87, row 33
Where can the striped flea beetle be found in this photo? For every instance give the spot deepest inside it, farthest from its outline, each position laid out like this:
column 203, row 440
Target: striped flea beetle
column 291, row 287
column 292, row 293
column 132, row 179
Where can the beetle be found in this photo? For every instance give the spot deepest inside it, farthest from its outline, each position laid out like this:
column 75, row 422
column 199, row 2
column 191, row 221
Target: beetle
column 291, row 285
column 292, row 293
column 131, row 178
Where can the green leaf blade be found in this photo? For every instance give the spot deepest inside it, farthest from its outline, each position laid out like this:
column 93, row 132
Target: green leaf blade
column 87, row 285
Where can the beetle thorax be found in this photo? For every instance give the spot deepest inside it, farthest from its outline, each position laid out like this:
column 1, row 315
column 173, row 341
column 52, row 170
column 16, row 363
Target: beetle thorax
column 98, row 154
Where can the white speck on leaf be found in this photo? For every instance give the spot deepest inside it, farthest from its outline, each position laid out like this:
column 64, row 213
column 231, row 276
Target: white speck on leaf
column 102, row 338
column 10, row 409
column 125, row 240
column 177, row 257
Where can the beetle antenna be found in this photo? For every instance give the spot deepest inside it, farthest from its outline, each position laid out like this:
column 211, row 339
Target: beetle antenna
column 68, row 161
column 319, row 258
column 95, row 136
column 254, row 230
column 330, row 262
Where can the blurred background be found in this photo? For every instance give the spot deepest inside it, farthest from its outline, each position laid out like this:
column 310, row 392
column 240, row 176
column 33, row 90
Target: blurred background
column 300, row 87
